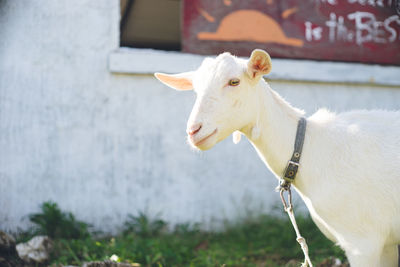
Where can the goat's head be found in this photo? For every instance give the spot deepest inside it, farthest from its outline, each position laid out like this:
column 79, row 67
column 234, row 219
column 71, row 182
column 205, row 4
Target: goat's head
column 225, row 95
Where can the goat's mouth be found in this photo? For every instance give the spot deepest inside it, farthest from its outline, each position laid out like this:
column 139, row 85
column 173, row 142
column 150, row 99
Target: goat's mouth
column 200, row 142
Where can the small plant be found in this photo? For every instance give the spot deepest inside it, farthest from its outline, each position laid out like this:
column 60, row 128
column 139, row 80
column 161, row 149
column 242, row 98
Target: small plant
column 142, row 226
column 53, row 222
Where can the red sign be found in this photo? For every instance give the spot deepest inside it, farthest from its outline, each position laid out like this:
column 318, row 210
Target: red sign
column 340, row 30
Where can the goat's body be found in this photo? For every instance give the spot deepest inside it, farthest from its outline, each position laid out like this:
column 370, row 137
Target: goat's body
column 348, row 177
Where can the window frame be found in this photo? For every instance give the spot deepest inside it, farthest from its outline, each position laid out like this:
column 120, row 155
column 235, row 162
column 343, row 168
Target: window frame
column 148, row 61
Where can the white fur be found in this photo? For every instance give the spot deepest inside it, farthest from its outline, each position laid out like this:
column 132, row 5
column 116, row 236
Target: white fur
column 350, row 167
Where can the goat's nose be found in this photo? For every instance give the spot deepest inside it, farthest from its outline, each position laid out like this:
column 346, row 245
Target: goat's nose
column 193, row 129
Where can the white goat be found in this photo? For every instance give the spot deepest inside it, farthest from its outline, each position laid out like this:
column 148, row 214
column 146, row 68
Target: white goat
column 350, row 165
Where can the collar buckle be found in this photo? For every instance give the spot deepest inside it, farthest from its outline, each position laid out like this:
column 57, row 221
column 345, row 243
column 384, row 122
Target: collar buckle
column 291, row 171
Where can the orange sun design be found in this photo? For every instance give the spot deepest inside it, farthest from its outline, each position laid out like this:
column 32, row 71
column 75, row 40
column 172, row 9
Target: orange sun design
column 249, row 25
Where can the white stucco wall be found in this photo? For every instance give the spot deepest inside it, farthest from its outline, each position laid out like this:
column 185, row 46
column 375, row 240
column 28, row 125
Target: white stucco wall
column 104, row 145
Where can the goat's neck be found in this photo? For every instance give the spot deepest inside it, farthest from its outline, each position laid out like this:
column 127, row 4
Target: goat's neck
column 277, row 122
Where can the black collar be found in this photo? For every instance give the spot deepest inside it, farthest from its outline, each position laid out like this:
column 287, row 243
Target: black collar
column 293, row 165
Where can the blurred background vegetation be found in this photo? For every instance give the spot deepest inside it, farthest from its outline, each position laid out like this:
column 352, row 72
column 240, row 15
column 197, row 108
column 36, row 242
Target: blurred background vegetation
column 264, row 240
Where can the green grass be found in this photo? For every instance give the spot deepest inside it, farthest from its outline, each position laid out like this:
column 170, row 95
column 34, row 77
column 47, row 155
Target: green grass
column 262, row 241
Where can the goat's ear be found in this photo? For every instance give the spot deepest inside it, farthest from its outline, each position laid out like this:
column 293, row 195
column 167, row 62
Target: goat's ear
column 259, row 63
column 181, row 81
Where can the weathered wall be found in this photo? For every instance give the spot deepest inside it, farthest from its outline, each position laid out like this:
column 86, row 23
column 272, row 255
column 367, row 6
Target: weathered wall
column 107, row 145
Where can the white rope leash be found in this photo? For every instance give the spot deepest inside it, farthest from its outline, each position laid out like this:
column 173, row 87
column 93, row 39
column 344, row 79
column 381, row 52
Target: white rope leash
column 301, row 240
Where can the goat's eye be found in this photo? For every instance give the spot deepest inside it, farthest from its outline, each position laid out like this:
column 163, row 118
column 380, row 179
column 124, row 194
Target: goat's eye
column 234, row 82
